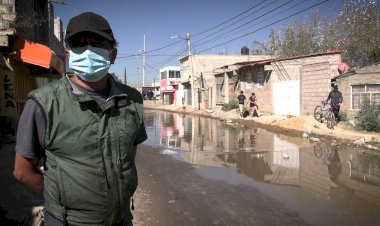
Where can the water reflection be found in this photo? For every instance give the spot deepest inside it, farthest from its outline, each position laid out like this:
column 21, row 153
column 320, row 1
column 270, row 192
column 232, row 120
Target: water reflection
column 330, row 180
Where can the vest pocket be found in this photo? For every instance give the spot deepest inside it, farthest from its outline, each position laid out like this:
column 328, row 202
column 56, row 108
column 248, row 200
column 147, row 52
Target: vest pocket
column 82, row 188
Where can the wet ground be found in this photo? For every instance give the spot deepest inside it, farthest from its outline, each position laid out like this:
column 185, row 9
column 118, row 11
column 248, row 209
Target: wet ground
column 202, row 171
column 173, row 192
column 209, row 173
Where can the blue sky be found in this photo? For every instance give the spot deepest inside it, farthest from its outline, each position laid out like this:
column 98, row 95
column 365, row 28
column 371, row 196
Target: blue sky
column 212, row 25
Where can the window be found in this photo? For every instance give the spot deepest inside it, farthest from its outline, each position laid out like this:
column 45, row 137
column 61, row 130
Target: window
column 163, row 75
column 360, row 92
column 178, row 74
column 260, row 79
column 171, row 74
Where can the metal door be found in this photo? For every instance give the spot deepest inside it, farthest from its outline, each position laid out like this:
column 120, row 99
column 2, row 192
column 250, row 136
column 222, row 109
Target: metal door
column 286, row 97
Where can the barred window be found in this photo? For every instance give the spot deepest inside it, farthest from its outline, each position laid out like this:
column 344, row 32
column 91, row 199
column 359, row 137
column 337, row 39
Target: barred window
column 361, row 92
column 260, row 79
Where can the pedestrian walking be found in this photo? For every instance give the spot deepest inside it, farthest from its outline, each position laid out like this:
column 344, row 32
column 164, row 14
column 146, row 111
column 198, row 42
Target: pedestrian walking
column 241, row 100
column 253, row 107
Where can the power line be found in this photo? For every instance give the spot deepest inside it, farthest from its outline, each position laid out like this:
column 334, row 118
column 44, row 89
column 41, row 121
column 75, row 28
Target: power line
column 228, row 19
column 256, row 18
column 149, row 55
column 287, row 17
column 169, row 45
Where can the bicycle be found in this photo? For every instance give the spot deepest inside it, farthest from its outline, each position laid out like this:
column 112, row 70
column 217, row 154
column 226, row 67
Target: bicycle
column 322, row 112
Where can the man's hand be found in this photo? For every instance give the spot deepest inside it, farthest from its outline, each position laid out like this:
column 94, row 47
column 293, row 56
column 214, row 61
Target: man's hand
column 27, row 172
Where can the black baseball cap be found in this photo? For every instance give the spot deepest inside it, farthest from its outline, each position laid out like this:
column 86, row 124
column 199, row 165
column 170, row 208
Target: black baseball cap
column 89, row 22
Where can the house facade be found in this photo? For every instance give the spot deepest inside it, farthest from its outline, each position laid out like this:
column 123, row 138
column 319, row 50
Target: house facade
column 357, row 85
column 31, row 52
column 170, row 78
column 197, row 77
column 287, row 86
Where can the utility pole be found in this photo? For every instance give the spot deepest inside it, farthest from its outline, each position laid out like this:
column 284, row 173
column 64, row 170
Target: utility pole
column 191, row 67
column 138, row 75
column 154, row 88
column 144, row 65
column 191, row 71
column 125, row 75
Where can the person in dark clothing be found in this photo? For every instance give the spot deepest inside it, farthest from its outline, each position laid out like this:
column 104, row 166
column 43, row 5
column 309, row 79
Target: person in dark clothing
column 253, row 107
column 241, row 100
column 150, row 94
column 336, row 100
column 77, row 136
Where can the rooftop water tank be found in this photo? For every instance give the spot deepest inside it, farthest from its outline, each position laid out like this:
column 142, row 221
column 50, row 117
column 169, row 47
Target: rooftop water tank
column 244, row 50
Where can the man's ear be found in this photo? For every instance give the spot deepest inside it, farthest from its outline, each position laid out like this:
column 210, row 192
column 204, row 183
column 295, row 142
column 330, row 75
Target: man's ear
column 113, row 55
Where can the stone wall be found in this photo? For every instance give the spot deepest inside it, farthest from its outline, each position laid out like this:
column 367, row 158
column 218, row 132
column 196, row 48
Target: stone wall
column 7, row 21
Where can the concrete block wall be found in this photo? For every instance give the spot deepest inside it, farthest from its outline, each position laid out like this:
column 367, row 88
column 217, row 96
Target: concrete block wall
column 345, row 86
column 7, row 20
column 315, row 85
column 263, row 93
column 315, row 73
column 205, row 64
column 32, row 21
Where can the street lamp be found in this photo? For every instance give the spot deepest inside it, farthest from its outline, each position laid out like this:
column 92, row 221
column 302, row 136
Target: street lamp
column 187, row 39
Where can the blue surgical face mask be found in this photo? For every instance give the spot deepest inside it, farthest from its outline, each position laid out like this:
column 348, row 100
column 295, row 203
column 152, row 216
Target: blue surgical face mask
column 90, row 63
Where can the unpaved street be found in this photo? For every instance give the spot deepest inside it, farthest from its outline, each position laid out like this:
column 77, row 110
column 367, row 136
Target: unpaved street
column 171, row 193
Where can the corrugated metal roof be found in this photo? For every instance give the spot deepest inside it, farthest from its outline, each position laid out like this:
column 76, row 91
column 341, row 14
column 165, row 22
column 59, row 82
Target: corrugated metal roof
column 264, row 62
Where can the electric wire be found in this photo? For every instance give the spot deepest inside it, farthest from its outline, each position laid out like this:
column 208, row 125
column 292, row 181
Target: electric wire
column 256, row 18
column 277, row 21
column 229, row 19
column 173, row 56
column 169, row 45
column 215, row 32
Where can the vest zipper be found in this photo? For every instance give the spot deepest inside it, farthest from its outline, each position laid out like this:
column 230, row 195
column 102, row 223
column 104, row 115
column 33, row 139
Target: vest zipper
column 62, row 196
column 118, row 159
column 120, row 95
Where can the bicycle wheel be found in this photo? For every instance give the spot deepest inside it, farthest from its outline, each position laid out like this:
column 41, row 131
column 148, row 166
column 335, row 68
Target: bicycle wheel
column 330, row 120
column 318, row 113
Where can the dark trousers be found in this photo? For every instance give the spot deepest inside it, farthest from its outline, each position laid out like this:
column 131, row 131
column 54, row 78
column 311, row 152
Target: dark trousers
column 335, row 109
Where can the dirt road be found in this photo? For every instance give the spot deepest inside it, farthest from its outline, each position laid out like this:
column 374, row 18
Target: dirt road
column 171, row 192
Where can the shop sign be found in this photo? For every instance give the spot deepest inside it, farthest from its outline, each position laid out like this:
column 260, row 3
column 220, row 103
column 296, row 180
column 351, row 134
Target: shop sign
column 7, row 93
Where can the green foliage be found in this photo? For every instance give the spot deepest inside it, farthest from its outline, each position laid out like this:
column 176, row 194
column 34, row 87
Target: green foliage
column 230, row 105
column 343, row 116
column 355, row 30
column 369, row 117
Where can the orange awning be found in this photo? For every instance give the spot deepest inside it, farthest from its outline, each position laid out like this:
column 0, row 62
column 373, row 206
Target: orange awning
column 37, row 54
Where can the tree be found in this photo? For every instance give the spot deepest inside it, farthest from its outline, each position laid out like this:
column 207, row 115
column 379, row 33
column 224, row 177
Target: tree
column 358, row 29
column 355, row 31
column 274, row 44
column 272, row 47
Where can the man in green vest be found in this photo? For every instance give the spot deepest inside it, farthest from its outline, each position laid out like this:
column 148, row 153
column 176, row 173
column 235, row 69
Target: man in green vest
column 77, row 137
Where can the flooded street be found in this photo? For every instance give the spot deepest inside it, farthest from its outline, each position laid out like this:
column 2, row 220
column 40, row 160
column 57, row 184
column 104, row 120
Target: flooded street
column 318, row 183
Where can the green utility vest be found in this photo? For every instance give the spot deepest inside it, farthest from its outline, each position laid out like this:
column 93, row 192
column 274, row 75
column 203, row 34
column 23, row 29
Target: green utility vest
column 90, row 172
